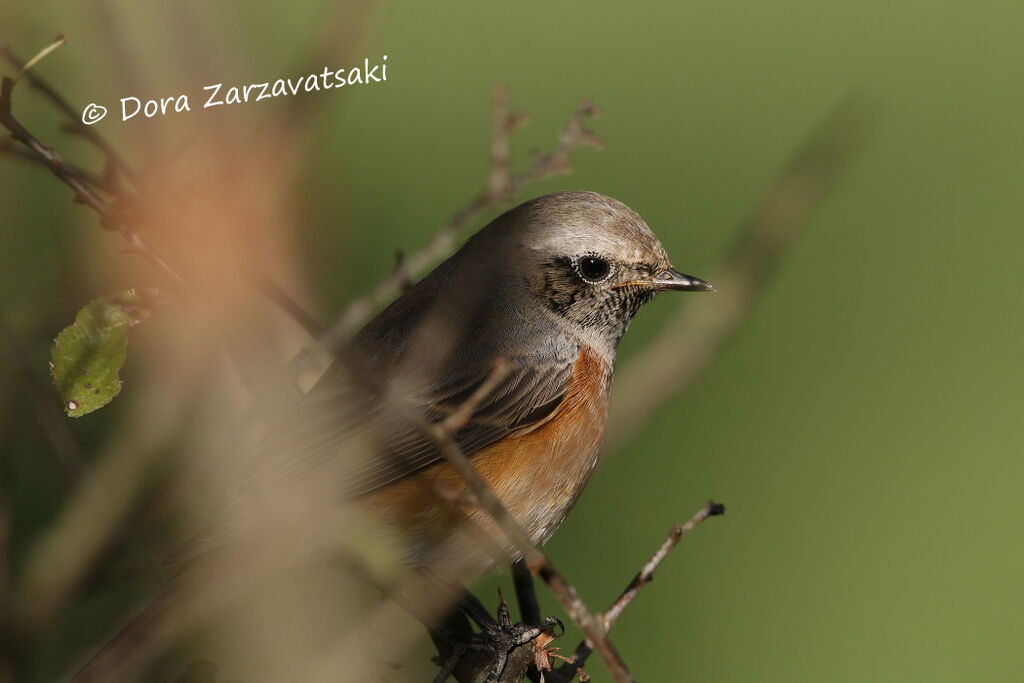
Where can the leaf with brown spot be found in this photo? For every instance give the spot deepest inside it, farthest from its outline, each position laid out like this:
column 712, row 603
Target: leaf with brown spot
column 87, row 356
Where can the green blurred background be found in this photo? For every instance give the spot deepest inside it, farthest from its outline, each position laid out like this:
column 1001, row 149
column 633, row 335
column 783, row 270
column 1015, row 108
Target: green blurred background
column 864, row 428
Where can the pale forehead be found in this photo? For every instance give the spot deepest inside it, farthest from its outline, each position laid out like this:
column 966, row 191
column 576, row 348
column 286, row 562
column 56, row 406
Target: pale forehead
column 580, row 222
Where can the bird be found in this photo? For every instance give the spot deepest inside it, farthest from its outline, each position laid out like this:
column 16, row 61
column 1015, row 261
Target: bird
column 549, row 288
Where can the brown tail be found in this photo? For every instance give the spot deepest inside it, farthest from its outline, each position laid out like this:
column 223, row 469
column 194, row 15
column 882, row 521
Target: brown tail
column 134, row 642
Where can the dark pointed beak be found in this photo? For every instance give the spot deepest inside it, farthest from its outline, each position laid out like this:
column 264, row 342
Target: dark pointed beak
column 672, row 279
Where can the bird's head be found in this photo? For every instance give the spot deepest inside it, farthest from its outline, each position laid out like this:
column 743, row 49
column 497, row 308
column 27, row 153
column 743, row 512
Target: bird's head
column 590, row 259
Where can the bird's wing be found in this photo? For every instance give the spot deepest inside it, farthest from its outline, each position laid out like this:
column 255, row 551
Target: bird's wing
column 355, row 437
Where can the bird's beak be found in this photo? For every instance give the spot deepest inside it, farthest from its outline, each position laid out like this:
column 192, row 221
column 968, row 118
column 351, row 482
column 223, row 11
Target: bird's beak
column 672, row 279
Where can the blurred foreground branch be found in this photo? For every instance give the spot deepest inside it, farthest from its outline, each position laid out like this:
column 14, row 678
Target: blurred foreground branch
column 702, row 325
column 442, row 437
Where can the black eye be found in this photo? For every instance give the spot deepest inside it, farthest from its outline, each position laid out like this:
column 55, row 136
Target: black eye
column 593, row 268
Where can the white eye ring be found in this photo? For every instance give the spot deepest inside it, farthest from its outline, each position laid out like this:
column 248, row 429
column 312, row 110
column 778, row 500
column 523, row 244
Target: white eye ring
column 593, row 268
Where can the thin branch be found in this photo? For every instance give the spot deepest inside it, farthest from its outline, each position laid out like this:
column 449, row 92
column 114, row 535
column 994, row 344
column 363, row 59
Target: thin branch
column 503, row 126
column 136, row 245
column 536, row 561
column 84, row 192
column 58, row 42
column 646, row 573
column 442, row 439
column 74, row 124
column 401, row 271
column 568, row 671
column 501, row 187
column 450, row 426
column 283, row 300
column 7, row 146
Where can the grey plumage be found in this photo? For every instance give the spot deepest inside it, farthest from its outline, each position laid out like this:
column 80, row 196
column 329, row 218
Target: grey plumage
column 437, row 349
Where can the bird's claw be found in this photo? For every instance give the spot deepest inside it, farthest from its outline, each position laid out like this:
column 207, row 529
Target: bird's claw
column 503, row 637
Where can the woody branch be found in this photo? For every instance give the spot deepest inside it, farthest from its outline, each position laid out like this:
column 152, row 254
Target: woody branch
column 85, row 190
column 442, row 436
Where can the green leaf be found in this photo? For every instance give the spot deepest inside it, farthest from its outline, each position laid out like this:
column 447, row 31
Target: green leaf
column 87, row 355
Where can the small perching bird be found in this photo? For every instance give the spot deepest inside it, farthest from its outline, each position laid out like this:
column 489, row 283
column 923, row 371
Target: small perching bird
column 549, row 287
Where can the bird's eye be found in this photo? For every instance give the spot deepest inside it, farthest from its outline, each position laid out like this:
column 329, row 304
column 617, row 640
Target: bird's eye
column 593, row 268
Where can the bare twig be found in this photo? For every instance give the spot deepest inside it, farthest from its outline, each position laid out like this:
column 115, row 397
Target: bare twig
column 450, row 426
column 83, row 189
column 283, row 300
column 710, row 509
column 59, row 41
column 84, row 192
column 503, row 125
column 401, row 271
column 501, row 187
column 442, row 439
column 691, row 339
column 136, row 245
column 644, row 576
column 74, row 124
column 537, row 562
column 7, row 146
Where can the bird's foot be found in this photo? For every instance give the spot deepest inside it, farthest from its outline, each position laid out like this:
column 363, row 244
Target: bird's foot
column 499, row 646
column 502, row 637
column 544, row 652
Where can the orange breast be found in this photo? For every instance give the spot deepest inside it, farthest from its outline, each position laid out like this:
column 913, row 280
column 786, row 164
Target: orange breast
column 538, row 474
